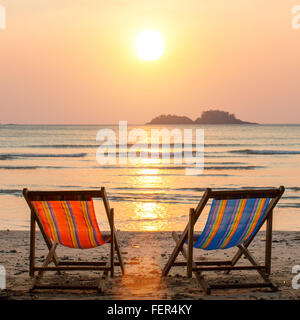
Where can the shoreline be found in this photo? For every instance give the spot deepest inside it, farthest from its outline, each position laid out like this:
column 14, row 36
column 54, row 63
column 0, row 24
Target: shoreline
column 145, row 254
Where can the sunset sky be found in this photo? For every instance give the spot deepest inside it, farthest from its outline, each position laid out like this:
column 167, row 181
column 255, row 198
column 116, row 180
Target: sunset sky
column 64, row 61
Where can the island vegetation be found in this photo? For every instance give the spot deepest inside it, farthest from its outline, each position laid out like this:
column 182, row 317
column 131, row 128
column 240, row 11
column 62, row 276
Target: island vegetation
column 171, row 119
column 207, row 117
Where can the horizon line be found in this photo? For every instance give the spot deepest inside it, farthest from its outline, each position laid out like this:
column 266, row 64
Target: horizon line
column 138, row 124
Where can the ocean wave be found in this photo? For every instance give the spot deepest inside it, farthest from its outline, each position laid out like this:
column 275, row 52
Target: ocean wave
column 129, row 145
column 266, row 152
column 140, row 167
column 172, row 198
column 159, row 195
column 62, row 146
column 14, row 192
column 154, row 168
column 153, row 198
column 171, row 175
column 11, row 156
column 160, row 145
column 178, row 167
column 234, row 168
column 291, row 197
column 288, row 205
column 293, row 188
column 31, row 167
column 5, row 157
column 165, row 188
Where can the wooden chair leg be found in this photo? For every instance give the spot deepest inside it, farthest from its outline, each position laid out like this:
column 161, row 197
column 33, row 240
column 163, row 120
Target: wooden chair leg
column 116, row 239
column 36, row 219
column 238, row 255
column 197, row 274
column 112, row 244
column 252, row 260
column 45, row 264
column 32, row 245
column 190, row 244
column 101, row 285
column 268, row 252
column 184, row 235
column 118, row 251
column 176, row 250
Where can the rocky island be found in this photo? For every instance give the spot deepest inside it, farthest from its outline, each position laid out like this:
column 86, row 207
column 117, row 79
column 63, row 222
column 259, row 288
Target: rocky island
column 207, row 117
column 171, row 119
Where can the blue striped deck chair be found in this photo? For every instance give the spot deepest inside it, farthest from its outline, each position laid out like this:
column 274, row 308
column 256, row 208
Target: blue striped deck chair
column 234, row 219
column 68, row 218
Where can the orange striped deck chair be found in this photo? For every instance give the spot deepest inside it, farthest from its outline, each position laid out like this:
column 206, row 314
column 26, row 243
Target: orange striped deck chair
column 68, row 218
column 234, row 219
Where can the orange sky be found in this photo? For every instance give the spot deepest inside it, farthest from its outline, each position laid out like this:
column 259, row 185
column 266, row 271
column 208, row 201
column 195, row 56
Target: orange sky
column 64, row 61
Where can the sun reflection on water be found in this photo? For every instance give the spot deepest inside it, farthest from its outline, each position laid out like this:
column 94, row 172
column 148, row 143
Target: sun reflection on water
column 150, row 215
column 149, row 178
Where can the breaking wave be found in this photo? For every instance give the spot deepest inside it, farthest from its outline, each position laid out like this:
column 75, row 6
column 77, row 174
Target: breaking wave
column 266, row 152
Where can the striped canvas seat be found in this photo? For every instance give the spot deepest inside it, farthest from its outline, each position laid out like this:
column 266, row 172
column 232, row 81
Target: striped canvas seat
column 67, row 217
column 70, row 223
column 235, row 218
column 232, row 222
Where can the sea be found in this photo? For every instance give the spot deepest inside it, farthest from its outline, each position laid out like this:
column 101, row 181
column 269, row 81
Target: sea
column 148, row 194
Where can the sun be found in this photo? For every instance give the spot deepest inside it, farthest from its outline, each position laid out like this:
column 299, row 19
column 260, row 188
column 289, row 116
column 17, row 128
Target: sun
column 149, row 45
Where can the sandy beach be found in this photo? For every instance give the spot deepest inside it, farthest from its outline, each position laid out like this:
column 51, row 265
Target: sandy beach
column 171, row 113
column 145, row 254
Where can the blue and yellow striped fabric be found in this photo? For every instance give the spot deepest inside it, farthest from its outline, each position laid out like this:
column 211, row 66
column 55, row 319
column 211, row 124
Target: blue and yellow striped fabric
column 231, row 222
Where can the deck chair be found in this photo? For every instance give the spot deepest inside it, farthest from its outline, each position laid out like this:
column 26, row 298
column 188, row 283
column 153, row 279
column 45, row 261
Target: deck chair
column 68, row 218
column 234, row 219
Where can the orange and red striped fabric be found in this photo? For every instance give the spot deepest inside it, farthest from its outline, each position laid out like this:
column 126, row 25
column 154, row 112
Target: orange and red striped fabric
column 70, row 223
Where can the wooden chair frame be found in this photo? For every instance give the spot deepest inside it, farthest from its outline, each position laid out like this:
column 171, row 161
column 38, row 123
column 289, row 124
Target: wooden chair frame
column 106, row 267
column 197, row 267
